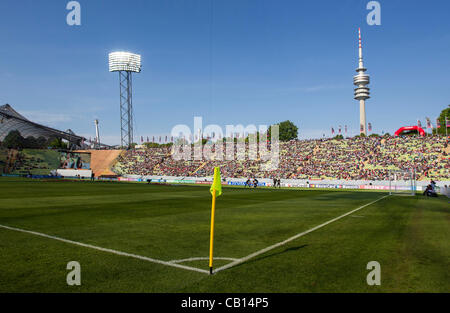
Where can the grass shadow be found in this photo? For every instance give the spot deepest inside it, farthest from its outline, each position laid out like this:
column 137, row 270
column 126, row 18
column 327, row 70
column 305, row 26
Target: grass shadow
column 272, row 255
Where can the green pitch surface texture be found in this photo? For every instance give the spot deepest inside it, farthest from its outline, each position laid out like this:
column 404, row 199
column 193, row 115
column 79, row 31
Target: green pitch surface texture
column 150, row 228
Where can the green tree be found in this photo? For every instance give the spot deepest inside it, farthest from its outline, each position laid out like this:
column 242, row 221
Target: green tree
column 287, row 131
column 42, row 142
column 444, row 113
column 56, row 143
column 149, row 145
column 31, row 143
column 14, row 140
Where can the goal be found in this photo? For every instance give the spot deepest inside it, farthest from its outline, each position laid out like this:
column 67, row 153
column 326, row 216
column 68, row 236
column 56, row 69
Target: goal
column 402, row 182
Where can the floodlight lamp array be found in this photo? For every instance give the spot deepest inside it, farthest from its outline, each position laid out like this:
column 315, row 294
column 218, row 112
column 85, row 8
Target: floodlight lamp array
column 124, row 61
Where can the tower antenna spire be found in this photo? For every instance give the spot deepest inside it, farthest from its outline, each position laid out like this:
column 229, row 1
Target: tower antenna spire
column 361, row 65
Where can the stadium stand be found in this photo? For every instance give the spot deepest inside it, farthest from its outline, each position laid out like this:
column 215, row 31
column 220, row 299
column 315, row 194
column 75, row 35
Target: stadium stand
column 31, row 161
column 141, row 162
column 4, row 157
column 350, row 159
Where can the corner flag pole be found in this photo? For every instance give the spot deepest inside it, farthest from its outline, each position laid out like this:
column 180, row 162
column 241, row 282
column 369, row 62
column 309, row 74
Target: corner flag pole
column 211, row 242
column 216, row 191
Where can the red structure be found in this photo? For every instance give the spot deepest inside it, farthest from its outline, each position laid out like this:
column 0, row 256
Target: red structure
column 409, row 128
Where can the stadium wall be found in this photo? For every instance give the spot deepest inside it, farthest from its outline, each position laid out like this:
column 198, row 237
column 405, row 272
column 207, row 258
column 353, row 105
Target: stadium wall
column 74, row 173
column 102, row 161
column 293, row 183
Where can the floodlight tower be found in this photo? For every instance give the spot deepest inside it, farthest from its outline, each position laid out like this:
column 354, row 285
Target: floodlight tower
column 97, row 134
column 362, row 92
column 125, row 63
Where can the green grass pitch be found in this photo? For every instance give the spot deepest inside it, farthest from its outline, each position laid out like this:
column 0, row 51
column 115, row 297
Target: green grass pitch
column 408, row 236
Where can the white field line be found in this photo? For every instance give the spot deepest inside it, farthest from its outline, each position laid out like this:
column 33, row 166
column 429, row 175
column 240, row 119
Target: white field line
column 201, row 259
column 250, row 256
column 108, row 250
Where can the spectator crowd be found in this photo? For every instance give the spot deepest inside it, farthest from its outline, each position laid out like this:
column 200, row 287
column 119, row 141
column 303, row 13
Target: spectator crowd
column 360, row 158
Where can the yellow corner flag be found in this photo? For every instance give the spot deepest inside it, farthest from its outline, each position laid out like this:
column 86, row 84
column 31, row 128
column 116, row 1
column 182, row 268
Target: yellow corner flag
column 217, row 183
column 216, row 191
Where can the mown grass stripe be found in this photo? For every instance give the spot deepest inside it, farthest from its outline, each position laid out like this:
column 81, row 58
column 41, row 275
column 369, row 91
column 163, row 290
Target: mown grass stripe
column 106, row 250
column 262, row 251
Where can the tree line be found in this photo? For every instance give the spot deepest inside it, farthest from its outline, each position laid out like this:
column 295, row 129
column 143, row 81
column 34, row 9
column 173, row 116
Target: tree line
column 15, row 140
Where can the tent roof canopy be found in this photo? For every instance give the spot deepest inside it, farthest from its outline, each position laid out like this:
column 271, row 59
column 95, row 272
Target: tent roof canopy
column 10, row 120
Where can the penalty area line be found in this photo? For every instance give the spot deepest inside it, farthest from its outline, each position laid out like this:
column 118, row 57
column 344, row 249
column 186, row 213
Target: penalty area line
column 135, row 256
column 277, row 245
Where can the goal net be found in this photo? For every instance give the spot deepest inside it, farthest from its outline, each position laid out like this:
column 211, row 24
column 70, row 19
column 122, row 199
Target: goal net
column 402, row 182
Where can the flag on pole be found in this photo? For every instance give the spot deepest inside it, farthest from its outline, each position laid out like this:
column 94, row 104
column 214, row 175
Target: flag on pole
column 370, row 127
column 217, row 183
column 216, row 191
column 346, row 129
column 447, row 122
column 332, row 130
column 419, row 123
column 429, row 123
column 438, row 123
column 340, row 129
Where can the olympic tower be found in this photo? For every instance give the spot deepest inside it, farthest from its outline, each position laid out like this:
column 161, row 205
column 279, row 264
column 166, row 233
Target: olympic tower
column 362, row 92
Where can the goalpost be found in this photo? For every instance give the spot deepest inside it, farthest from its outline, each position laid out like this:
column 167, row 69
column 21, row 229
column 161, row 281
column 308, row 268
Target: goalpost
column 402, row 182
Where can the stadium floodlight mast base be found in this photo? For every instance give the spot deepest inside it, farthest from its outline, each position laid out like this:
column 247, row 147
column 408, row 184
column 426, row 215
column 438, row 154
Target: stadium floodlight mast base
column 125, row 63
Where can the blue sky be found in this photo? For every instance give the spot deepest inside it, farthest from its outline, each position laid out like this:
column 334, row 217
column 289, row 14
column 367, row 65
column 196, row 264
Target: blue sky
column 229, row 61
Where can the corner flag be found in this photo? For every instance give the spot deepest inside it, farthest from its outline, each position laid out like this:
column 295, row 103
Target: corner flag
column 217, row 183
column 216, row 191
